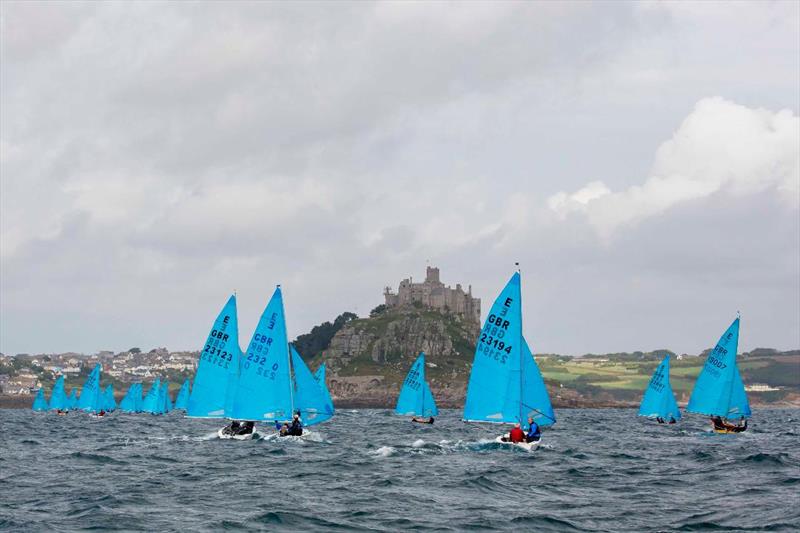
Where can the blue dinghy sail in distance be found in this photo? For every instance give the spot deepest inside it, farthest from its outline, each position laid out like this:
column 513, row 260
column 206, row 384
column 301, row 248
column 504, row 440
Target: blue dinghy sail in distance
column 109, row 403
column 40, row 402
column 319, row 376
column 128, row 402
column 218, row 368
column 166, row 406
column 415, row 397
column 182, row 400
column 90, row 391
column 150, row 402
column 719, row 390
column 658, row 400
column 58, row 398
column 505, row 384
column 73, row 399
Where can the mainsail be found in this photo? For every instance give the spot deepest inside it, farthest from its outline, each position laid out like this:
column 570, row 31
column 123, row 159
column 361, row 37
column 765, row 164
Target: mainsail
column 40, row 403
column 182, row 400
column 150, row 403
column 415, row 396
column 166, row 403
column 73, row 399
column 658, row 400
column 128, row 402
column 90, row 393
column 310, row 397
column 109, row 403
column 264, row 389
column 218, row 367
column 138, row 400
column 58, row 398
column 719, row 390
column 505, row 385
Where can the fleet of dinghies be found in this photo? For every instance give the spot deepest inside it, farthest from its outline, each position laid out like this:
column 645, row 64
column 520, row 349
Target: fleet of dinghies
column 271, row 384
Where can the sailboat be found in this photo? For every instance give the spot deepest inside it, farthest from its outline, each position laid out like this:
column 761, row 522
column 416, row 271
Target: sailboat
column 274, row 382
column 128, row 402
column 182, row 400
column 40, row 403
column 505, row 384
column 658, row 400
column 218, row 368
column 58, row 398
column 90, row 392
column 73, row 399
column 415, row 397
column 166, row 403
column 719, row 391
column 151, row 404
column 109, row 403
column 138, row 399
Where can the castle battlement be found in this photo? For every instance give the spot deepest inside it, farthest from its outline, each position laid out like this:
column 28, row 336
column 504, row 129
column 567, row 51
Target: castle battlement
column 434, row 294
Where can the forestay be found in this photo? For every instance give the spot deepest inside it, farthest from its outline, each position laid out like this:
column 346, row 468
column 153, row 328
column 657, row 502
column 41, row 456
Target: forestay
column 310, row 398
column 218, row 367
column 659, row 400
column 719, row 390
column 264, row 389
column 415, row 396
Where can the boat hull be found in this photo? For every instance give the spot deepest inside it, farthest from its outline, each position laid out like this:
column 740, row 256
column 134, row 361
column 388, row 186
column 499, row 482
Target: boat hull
column 527, row 446
column 227, row 436
column 727, row 431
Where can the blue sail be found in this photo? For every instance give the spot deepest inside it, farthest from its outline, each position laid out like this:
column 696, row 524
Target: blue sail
column 415, row 396
column 89, row 400
column 128, row 402
column 719, row 385
column 264, row 389
column 319, row 375
column 739, row 406
column 218, row 367
column 494, row 391
column 138, row 398
column 182, row 399
column 40, row 403
column 150, row 402
column 535, row 400
column 58, row 398
column 109, row 403
column 309, row 397
column 658, row 400
column 73, row 399
column 166, row 403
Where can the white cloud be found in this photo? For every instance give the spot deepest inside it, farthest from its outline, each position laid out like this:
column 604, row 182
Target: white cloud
column 720, row 146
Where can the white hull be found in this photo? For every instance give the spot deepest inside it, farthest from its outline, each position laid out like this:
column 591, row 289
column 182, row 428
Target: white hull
column 527, row 446
column 226, row 436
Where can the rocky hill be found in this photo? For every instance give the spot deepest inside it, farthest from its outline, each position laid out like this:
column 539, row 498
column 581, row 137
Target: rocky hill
column 368, row 358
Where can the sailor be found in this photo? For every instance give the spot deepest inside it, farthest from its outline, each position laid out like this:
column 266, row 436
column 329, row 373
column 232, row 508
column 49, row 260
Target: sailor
column 717, row 422
column 659, row 420
column 534, row 433
column 296, row 429
column 284, row 429
column 672, row 420
column 246, row 428
column 515, row 435
column 422, row 420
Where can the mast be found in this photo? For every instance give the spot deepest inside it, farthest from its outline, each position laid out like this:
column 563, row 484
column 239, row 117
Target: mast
column 288, row 359
column 521, row 362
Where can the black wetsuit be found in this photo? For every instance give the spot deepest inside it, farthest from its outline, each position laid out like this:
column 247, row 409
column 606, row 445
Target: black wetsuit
column 296, row 429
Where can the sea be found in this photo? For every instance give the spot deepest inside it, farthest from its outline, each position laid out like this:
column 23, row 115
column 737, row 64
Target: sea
column 369, row 470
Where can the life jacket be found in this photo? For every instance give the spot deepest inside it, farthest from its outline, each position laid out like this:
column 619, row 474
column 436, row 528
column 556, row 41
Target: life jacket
column 534, row 431
column 516, row 435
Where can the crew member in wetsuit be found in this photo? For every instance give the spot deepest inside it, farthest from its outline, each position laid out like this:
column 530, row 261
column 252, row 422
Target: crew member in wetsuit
column 534, row 433
column 672, row 420
column 232, row 428
column 515, row 435
column 284, row 430
column 246, row 428
column 422, row 420
column 659, row 420
column 296, row 429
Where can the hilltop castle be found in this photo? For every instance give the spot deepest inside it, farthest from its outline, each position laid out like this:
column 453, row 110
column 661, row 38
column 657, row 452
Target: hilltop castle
column 434, row 294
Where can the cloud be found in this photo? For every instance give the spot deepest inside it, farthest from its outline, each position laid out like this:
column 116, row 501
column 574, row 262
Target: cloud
column 719, row 146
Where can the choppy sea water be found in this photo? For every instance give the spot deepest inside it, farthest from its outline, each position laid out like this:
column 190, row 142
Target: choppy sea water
column 367, row 470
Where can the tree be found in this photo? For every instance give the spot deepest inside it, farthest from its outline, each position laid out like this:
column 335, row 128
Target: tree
column 319, row 338
column 135, row 350
column 377, row 311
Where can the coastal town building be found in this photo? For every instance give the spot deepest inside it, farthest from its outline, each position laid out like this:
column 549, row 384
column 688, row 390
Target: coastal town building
column 436, row 295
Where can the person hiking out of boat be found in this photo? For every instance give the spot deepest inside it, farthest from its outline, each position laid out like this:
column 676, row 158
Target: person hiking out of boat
column 296, row 429
column 534, row 433
column 422, row 420
column 515, row 435
column 659, row 420
column 244, row 428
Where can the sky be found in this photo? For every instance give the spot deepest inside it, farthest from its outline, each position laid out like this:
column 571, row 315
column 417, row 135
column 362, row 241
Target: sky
column 641, row 161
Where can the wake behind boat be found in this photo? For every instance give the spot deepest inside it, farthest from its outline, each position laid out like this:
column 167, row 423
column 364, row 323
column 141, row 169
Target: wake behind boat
column 505, row 384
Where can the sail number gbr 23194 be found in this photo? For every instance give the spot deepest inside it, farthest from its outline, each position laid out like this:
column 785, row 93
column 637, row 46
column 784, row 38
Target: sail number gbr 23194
column 491, row 341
